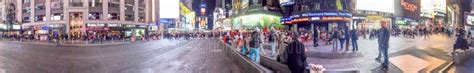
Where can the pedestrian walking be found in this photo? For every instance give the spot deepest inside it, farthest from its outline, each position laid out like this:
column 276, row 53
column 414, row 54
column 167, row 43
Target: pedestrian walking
column 342, row 37
column 273, row 41
column 255, row 45
column 284, row 40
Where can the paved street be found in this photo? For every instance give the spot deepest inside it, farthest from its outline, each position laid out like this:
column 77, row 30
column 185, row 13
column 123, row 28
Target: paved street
column 163, row 56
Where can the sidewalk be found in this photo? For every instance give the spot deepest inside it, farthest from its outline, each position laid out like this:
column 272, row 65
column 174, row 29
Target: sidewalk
column 429, row 55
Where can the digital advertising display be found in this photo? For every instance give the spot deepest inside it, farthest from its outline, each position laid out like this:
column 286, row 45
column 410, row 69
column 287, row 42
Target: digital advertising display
column 376, row 5
column 411, row 8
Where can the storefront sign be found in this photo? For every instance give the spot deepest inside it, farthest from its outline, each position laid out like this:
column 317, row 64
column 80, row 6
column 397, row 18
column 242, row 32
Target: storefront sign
column 411, row 8
column 336, row 18
column 470, row 19
column 3, row 26
column 45, row 27
column 374, row 13
column 441, row 14
column 112, row 25
column 16, row 27
column 286, row 2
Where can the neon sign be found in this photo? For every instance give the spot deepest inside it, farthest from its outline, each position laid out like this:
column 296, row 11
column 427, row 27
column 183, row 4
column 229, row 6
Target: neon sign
column 409, row 6
column 318, row 16
column 337, row 18
column 306, row 19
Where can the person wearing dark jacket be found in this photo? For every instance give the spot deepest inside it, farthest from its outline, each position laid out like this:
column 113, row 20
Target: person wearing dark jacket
column 383, row 42
column 295, row 52
column 315, row 36
column 354, row 38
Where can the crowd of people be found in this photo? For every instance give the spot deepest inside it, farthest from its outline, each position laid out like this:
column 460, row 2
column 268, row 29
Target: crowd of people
column 88, row 37
column 288, row 47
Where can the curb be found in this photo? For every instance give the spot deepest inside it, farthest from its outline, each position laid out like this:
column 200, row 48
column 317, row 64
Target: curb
column 334, row 55
column 447, row 67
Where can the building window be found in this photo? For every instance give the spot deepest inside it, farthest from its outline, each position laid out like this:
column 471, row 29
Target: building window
column 39, row 18
column 95, row 3
column 114, row 5
column 141, row 19
column 57, row 17
column 76, row 3
column 26, row 19
column 39, row 7
column 26, row 1
column 114, row 16
column 94, row 15
column 26, row 10
column 129, row 18
column 56, row 4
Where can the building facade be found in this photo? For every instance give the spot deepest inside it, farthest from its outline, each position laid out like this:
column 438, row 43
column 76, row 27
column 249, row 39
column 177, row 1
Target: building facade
column 3, row 11
column 83, row 17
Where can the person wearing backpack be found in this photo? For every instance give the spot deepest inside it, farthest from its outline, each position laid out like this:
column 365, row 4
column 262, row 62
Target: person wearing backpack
column 255, row 45
column 273, row 43
column 342, row 37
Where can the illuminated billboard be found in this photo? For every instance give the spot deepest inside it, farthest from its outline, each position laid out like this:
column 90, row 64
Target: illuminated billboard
column 411, row 8
column 256, row 20
column 376, row 5
column 439, row 5
column 169, row 9
column 286, row 2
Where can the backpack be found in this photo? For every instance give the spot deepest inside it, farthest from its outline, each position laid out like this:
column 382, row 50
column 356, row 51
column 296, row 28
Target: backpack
column 272, row 37
column 342, row 34
column 335, row 35
column 255, row 40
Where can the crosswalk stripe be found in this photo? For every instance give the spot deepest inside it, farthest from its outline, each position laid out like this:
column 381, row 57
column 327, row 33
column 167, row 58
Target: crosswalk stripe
column 3, row 71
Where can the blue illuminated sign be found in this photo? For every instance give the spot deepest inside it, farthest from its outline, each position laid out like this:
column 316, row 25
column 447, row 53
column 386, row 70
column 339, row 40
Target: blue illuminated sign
column 203, row 5
column 318, row 14
column 45, row 27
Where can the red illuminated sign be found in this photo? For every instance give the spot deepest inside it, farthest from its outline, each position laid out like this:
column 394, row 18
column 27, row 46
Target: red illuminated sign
column 409, row 6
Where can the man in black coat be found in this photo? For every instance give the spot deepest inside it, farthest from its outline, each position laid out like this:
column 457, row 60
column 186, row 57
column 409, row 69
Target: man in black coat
column 296, row 60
